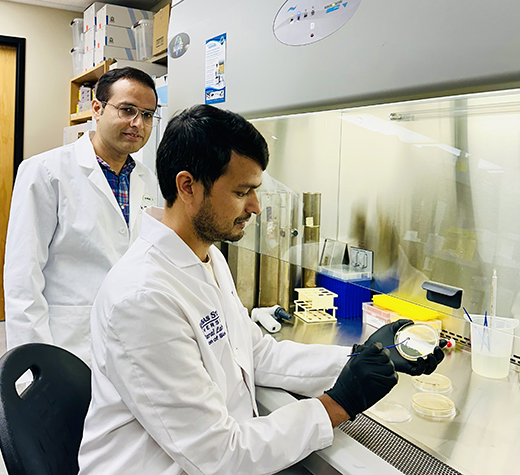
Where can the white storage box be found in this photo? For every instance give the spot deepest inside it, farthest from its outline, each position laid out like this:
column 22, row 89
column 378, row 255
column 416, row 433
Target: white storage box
column 121, row 16
column 89, row 16
column 88, row 60
column 115, row 36
column 113, row 52
column 74, row 132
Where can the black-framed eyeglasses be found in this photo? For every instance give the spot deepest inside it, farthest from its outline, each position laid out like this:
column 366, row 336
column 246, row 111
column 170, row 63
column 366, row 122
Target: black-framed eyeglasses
column 128, row 113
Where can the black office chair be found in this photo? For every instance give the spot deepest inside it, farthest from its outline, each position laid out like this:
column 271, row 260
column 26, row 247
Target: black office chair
column 41, row 429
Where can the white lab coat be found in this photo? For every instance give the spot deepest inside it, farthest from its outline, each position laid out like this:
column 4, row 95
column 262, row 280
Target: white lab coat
column 65, row 232
column 175, row 359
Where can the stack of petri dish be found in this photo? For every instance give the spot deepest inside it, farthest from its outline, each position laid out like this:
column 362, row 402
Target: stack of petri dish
column 417, row 341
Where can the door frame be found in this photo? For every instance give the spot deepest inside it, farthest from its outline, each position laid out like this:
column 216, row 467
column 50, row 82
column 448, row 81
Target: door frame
column 19, row 108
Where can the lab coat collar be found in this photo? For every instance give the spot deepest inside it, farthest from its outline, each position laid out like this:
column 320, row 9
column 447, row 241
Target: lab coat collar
column 167, row 240
column 86, row 158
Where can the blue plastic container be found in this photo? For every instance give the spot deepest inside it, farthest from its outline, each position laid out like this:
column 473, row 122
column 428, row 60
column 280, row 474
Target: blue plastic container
column 351, row 294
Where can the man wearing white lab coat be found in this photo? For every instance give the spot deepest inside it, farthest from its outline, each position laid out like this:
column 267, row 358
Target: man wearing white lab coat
column 68, row 226
column 175, row 356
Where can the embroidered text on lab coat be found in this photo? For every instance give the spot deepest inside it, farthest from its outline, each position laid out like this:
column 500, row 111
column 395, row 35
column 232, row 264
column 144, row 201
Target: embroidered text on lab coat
column 212, row 327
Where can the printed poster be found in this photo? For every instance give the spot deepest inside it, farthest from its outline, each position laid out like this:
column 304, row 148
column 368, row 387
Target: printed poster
column 215, row 69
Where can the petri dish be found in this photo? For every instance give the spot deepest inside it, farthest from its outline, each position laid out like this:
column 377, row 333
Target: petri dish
column 432, row 383
column 390, row 412
column 433, row 406
column 416, row 340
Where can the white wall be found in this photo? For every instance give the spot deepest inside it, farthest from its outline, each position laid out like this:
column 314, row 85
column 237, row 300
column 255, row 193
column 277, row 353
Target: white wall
column 48, row 70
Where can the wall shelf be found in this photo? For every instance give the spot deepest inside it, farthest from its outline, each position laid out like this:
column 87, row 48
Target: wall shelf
column 159, row 59
column 90, row 76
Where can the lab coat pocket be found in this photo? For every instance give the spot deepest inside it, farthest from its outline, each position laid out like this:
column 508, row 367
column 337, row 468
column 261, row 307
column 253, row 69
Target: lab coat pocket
column 70, row 328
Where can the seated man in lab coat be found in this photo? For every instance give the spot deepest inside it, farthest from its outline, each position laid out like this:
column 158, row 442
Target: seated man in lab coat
column 175, row 356
column 75, row 210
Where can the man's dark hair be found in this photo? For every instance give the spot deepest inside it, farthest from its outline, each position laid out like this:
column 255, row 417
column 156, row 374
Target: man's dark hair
column 200, row 140
column 103, row 86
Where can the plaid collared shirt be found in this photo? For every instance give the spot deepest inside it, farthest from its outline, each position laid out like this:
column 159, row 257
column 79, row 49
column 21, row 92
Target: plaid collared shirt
column 120, row 184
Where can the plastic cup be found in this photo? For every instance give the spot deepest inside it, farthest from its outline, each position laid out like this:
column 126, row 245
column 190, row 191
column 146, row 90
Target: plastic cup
column 77, row 32
column 491, row 345
column 77, row 61
column 143, row 34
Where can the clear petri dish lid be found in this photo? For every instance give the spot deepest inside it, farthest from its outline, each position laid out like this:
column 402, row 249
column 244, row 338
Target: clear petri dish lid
column 390, row 412
column 433, row 406
column 432, row 383
column 416, row 341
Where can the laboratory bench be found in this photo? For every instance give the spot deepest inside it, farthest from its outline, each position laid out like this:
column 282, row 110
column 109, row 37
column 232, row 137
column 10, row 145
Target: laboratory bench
column 482, row 437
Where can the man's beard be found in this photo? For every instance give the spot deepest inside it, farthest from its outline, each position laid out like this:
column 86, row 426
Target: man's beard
column 207, row 229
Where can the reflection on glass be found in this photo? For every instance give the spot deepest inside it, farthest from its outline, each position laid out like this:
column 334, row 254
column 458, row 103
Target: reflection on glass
column 432, row 187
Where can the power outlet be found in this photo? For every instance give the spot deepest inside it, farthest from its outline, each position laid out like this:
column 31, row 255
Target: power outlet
column 361, row 260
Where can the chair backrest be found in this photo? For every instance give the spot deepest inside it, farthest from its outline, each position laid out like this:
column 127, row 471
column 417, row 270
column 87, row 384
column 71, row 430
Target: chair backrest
column 41, row 429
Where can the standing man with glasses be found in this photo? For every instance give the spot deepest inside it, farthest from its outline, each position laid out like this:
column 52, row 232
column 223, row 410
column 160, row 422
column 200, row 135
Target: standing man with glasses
column 75, row 211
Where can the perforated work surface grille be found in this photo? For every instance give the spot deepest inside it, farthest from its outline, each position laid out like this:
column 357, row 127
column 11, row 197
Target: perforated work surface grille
column 394, row 449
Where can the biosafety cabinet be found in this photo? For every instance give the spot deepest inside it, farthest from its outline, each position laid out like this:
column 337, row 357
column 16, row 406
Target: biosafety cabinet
column 404, row 117
column 363, row 51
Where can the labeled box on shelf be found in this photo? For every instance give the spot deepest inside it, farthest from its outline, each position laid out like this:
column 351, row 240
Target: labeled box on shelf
column 89, row 41
column 83, row 107
column 89, row 16
column 113, row 52
column 88, row 60
column 160, row 30
column 85, row 93
column 115, row 36
column 121, row 16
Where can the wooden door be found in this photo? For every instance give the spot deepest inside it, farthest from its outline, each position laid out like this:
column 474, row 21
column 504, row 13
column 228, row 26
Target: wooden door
column 7, row 135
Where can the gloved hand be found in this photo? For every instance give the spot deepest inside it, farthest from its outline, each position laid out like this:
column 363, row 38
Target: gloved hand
column 386, row 336
column 364, row 380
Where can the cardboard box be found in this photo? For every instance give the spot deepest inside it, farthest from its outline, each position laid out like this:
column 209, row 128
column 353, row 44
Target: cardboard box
column 89, row 16
column 88, row 60
column 115, row 15
column 115, row 36
column 89, row 40
column 113, row 52
column 160, row 30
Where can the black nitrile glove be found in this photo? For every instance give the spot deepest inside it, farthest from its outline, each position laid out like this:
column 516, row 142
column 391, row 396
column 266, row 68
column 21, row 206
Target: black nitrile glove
column 386, row 336
column 364, row 380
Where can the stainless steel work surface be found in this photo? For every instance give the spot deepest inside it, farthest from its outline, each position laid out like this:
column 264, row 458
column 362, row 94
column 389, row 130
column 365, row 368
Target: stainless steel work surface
column 484, row 435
